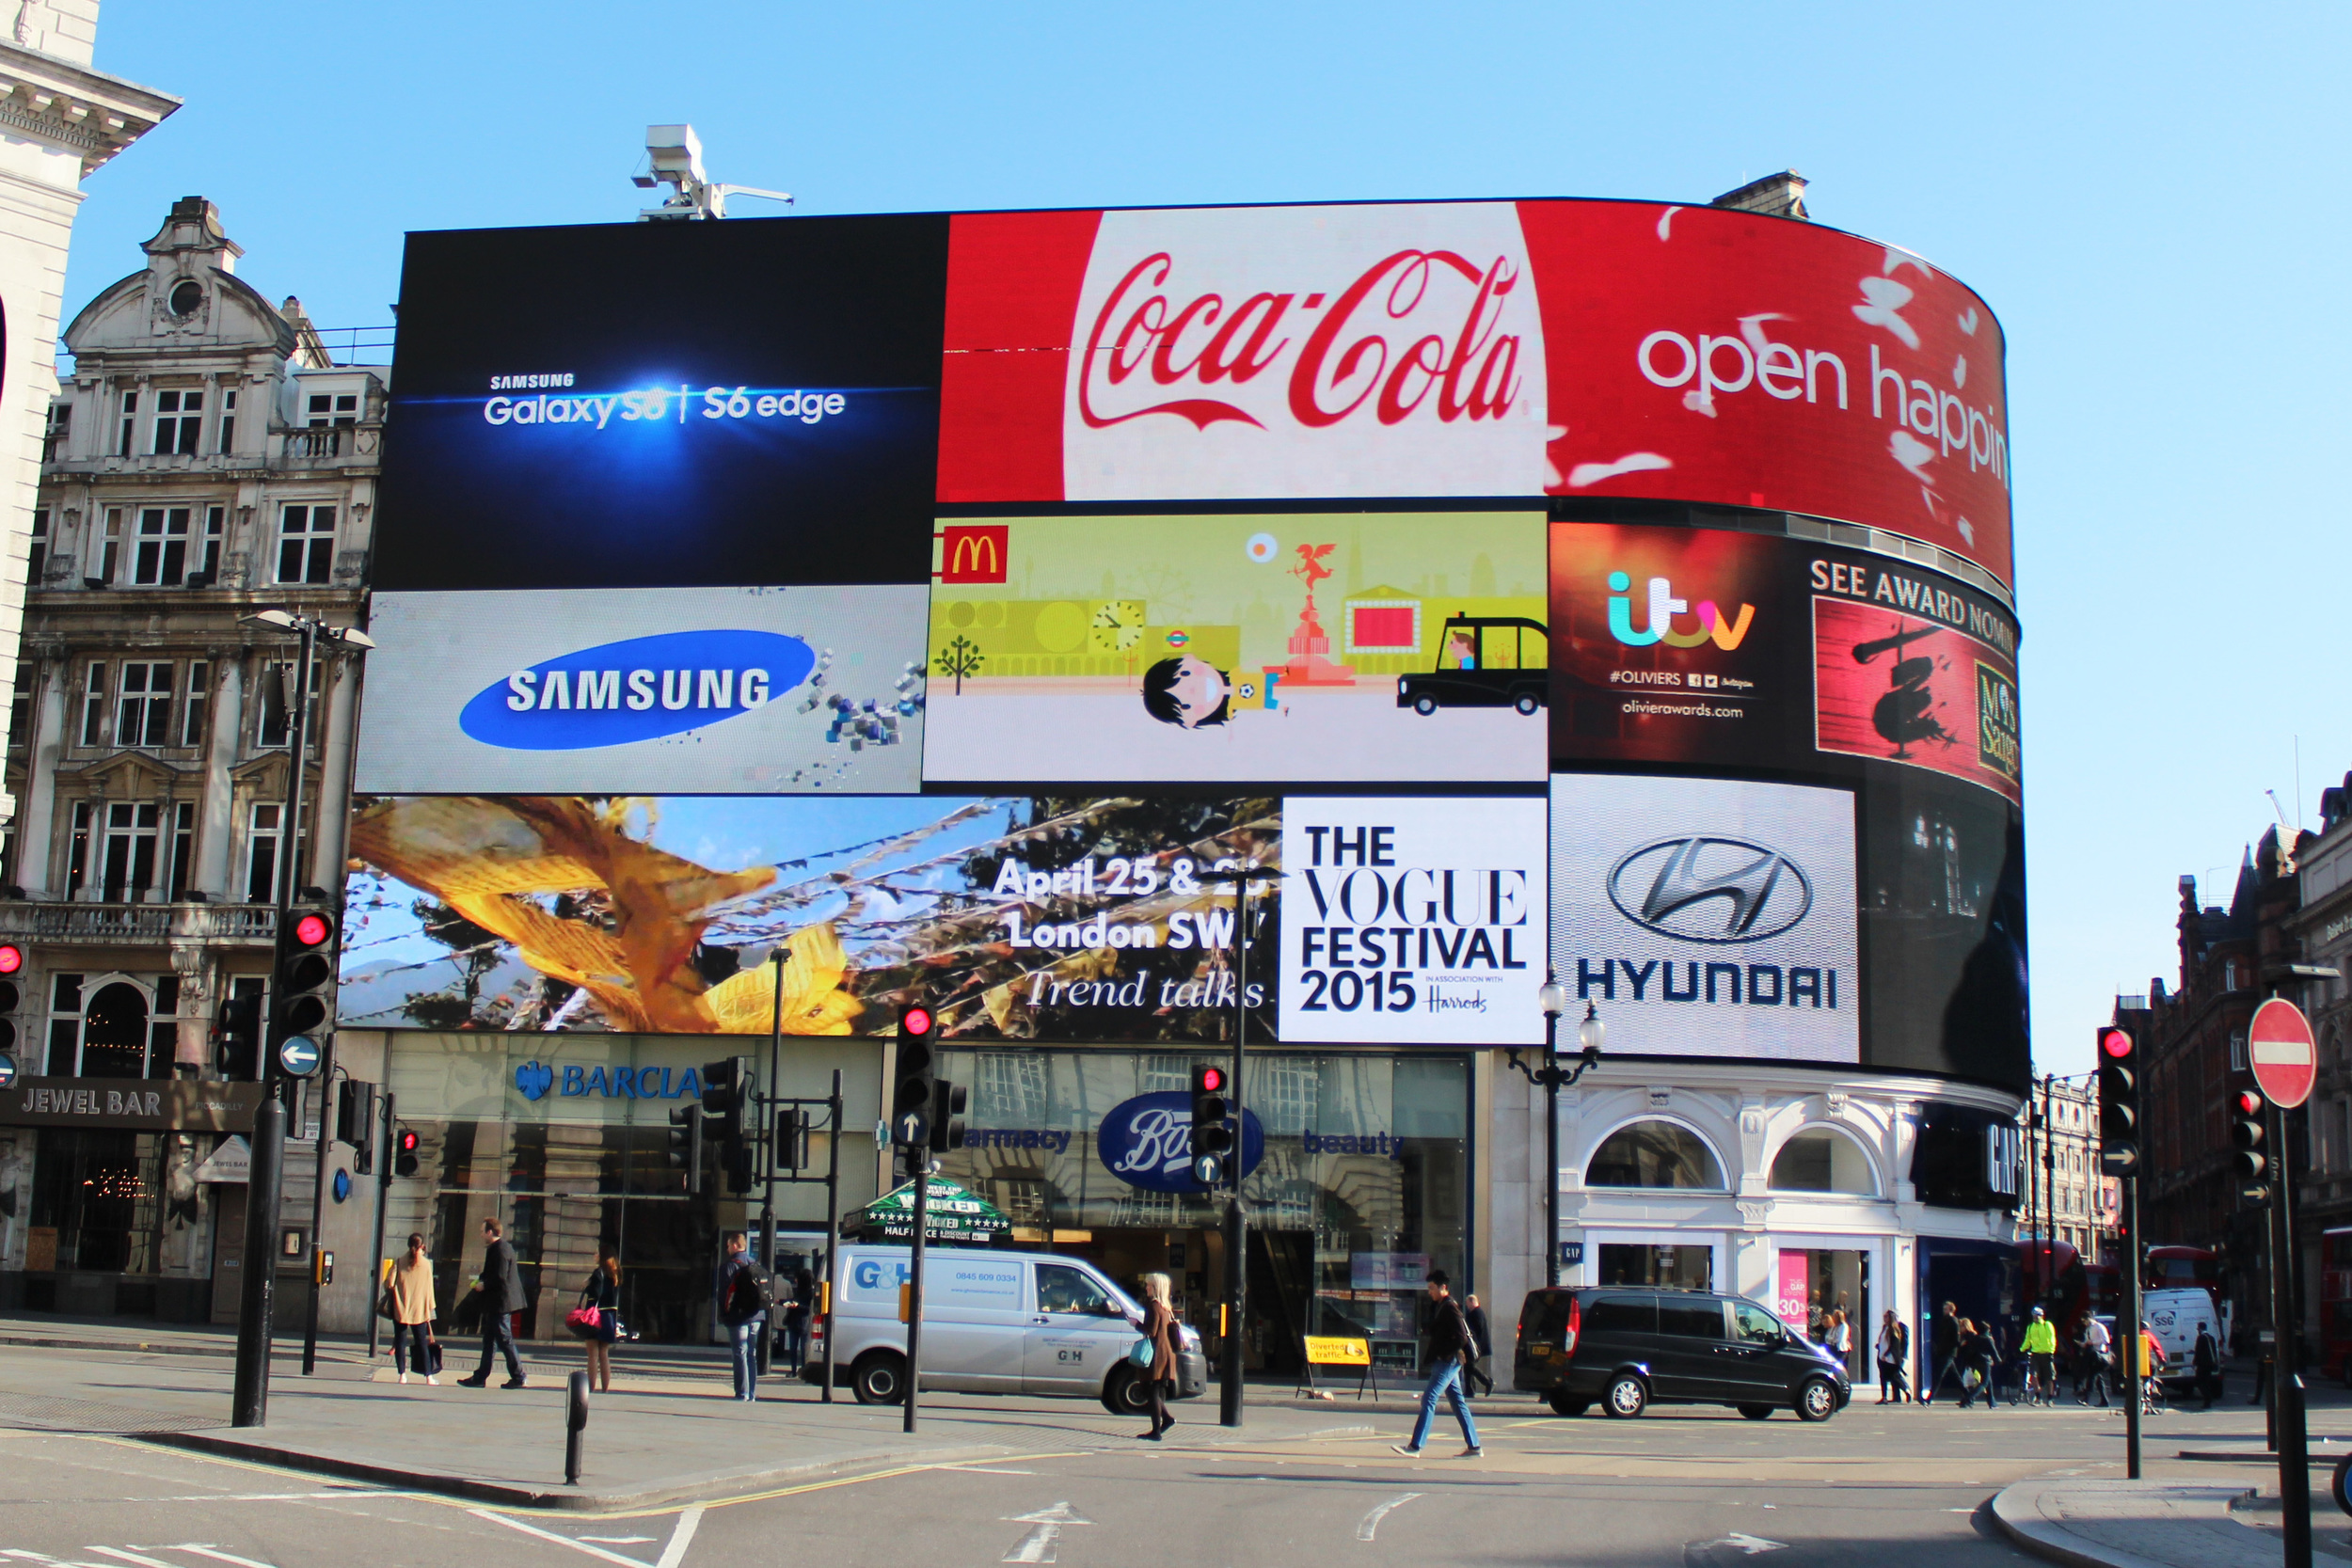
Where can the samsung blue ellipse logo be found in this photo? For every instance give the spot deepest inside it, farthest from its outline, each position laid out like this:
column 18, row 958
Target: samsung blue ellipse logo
column 1147, row 1142
column 636, row 690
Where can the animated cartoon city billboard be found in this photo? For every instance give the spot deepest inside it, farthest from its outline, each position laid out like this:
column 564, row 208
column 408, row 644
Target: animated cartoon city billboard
column 1365, row 647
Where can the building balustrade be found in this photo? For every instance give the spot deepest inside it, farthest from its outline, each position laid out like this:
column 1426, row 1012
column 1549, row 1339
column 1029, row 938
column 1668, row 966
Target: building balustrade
column 116, row 924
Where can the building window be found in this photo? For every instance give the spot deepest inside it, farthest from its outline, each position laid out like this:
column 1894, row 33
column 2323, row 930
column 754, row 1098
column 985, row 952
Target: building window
column 21, row 705
column 110, row 548
column 183, row 848
column 129, row 867
column 306, row 543
column 78, row 850
column 2237, row 1052
column 64, row 1025
column 1654, row 1154
column 207, row 573
column 333, row 408
column 162, row 557
column 143, row 711
column 61, row 426
column 37, row 556
column 261, row 844
column 130, row 424
column 228, row 421
column 94, row 706
column 198, row 698
column 276, row 703
column 178, row 423
column 114, row 1033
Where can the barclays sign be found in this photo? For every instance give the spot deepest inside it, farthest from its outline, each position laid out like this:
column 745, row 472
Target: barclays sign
column 1147, row 1142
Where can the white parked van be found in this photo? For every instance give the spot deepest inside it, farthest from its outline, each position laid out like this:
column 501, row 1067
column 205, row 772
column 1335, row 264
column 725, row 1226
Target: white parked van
column 993, row 1322
column 2173, row 1317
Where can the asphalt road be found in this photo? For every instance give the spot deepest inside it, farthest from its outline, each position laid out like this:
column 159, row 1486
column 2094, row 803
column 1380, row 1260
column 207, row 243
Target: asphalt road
column 1700, row 1488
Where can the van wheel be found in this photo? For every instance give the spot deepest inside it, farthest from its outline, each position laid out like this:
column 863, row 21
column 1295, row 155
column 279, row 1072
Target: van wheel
column 1424, row 704
column 1756, row 1411
column 879, row 1377
column 1124, row 1392
column 1817, row 1400
column 1526, row 702
column 1625, row 1398
column 1564, row 1404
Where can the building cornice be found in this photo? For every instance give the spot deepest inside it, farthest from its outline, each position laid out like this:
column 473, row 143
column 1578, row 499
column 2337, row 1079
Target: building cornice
column 73, row 107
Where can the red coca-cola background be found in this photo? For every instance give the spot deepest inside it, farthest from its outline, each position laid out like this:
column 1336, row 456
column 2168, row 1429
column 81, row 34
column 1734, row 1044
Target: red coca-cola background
column 1673, row 353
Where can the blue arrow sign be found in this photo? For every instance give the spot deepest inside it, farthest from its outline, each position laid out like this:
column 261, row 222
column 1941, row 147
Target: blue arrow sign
column 7, row 1070
column 299, row 1055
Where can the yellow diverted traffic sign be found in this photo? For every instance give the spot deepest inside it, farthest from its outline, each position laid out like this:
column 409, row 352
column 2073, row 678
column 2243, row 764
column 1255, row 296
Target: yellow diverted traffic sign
column 1338, row 1353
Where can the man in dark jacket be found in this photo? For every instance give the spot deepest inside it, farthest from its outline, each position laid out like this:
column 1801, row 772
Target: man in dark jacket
column 501, row 1296
column 1481, row 1345
column 1943, row 1354
column 1450, row 1344
column 2208, row 1361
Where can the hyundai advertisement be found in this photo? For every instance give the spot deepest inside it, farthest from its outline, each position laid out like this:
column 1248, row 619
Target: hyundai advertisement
column 648, row 690
column 1709, row 917
column 752, row 402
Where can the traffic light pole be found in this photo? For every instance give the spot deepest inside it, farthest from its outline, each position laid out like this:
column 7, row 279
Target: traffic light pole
column 768, row 1203
column 1229, row 1398
column 833, row 1219
column 383, row 1196
column 249, row 1401
column 2128, row 1344
column 318, row 1206
column 2295, row 1464
column 919, row 1156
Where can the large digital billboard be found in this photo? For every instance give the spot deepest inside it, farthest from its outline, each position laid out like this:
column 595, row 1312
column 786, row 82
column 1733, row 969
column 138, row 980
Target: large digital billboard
column 645, row 691
column 1476, row 348
column 676, row 404
column 1352, row 646
column 1709, row 917
column 1083, row 919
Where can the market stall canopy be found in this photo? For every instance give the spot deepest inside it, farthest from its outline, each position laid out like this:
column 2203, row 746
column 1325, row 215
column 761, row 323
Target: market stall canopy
column 951, row 1214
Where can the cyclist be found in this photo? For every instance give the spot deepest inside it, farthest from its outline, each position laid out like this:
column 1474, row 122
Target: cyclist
column 2040, row 1344
column 2151, row 1370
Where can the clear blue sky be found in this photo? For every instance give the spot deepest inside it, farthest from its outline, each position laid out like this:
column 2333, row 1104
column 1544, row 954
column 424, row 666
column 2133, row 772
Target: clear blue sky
column 2152, row 196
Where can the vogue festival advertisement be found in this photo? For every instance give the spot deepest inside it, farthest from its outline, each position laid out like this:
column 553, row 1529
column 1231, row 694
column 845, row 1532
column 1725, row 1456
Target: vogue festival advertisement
column 664, row 405
column 1566, row 348
column 1402, row 646
column 646, row 690
column 1707, row 917
column 1413, row 922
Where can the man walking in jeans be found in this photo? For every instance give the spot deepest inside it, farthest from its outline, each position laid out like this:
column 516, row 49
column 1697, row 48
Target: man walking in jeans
column 742, row 1294
column 1450, row 1345
column 501, row 1296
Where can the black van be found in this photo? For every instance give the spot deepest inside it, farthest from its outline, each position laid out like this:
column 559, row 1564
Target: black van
column 1628, row 1347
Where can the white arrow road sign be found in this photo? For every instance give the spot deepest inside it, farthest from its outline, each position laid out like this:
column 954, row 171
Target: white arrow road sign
column 1046, row 1524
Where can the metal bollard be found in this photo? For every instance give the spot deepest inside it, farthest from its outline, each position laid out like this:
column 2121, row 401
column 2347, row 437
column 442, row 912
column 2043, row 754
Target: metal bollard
column 574, row 1427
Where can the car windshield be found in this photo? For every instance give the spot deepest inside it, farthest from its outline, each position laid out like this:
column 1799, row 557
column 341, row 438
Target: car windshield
column 1063, row 1288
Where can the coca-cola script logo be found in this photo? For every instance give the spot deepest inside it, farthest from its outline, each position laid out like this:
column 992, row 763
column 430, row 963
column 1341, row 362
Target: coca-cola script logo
column 1306, row 351
column 1147, row 1142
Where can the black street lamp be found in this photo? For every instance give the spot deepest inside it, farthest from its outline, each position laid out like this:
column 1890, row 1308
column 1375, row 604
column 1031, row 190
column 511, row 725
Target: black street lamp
column 1551, row 1075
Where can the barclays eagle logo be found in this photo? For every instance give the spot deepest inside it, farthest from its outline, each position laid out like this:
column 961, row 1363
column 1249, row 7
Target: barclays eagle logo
column 533, row 1078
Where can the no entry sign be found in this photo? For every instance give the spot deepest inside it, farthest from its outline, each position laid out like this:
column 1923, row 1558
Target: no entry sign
column 2284, row 1057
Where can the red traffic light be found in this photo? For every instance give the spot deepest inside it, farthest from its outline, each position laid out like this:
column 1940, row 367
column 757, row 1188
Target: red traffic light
column 311, row 930
column 409, row 1141
column 2115, row 1044
column 914, row 1023
column 1212, row 1080
column 2248, row 1103
column 11, row 958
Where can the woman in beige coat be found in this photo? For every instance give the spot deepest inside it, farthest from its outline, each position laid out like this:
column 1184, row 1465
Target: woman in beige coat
column 1159, row 1326
column 411, row 1290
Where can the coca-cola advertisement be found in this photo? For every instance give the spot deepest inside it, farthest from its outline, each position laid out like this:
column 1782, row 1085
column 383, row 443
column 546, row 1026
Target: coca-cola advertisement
column 1481, row 348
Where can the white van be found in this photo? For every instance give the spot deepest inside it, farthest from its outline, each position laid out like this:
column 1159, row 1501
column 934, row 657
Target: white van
column 2174, row 1317
column 993, row 1322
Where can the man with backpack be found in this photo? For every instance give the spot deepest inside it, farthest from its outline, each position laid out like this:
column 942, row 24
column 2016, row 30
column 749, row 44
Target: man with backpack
column 743, row 1295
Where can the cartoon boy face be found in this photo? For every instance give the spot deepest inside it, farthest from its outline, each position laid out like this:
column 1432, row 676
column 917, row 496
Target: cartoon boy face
column 1186, row 692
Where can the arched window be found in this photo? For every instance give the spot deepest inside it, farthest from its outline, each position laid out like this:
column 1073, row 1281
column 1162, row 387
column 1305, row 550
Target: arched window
column 1654, row 1154
column 1820, row 1161
column 114, row 1033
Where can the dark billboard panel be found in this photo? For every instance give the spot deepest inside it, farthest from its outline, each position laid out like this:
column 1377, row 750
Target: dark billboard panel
column 1079, row 919
column 666, row 405
column 645, row 690
column 1721, row 648
column 1348, row 647
column 1473, row 348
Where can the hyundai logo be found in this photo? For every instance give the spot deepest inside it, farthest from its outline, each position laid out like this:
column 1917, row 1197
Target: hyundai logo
column 1706, row 888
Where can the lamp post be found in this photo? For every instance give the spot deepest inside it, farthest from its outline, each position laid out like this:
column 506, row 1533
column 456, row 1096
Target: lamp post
column 249, row 1397
column 1551, row 1075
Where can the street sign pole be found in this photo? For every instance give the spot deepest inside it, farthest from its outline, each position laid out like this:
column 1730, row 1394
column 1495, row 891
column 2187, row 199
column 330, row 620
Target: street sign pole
column 2285, row 1059
column 832, row 1221
column 919, row 1157
column 2128, row 1344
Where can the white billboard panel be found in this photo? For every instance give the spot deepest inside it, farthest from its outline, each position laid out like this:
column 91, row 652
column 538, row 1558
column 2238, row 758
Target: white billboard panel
column 1707, row 917
column 1415, row 921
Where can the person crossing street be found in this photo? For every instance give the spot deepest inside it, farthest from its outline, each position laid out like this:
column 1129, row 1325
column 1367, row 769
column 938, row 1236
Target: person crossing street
column 1450, row 1347
column 2040, row 1344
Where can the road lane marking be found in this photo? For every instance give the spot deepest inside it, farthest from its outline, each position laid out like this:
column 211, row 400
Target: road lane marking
column 1046, row 1526
column 132, row 1557
column 596, row 1552
column 1371, row 1522
column 1748, row 1545
column 620, row 1540
column 681, row 1536
column 217, row 1555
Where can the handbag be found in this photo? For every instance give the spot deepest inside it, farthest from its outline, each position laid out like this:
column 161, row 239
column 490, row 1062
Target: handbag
column 432, row 1352
column 586, row 1321
column 383, row 1308
column 1140, row 1353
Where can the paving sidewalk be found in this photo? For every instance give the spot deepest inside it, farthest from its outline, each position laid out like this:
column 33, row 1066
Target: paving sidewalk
column 656, row 1440
column 2156, row 1524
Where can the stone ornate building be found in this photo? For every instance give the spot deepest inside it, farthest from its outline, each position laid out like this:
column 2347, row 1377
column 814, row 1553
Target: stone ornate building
column 205, row 459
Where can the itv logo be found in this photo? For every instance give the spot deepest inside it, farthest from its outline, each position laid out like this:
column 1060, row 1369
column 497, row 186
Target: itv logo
column 1662, row 607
